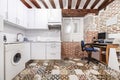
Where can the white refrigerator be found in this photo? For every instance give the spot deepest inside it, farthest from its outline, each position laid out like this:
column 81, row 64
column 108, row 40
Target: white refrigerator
column 1, row 50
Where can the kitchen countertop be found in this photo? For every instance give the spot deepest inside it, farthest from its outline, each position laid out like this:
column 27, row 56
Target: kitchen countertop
column 46, row 41
column 33, row 42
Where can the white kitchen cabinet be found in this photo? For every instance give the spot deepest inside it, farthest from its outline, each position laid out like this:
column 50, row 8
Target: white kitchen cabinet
column 3, row 8
column 22, row 15
column 53, row 50
column 38, row 51
column 31, row 19
column 27, row 52
column 17, row 13
column 12, row 11
column 25, row 18
column 37, row 19
column 46, row 50
column 41, row 19
column 54, row 16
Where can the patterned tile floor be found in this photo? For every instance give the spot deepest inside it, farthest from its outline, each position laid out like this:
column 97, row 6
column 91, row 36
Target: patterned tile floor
column 73, row 69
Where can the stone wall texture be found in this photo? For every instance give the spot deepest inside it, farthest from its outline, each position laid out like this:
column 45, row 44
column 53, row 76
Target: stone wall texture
column 99, row 21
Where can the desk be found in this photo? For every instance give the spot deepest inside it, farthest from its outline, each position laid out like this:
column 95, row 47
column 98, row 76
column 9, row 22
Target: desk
column 104, row 50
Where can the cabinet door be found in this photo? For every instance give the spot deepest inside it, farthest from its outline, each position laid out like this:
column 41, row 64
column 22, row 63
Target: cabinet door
column 53, row 51
column 41, row 19
column 3, row 8
column 54, row 15
column 25, row 18
column 38, row 51
column 31, row 18
column 12, row 10
column 19, row 12
column 27, row 52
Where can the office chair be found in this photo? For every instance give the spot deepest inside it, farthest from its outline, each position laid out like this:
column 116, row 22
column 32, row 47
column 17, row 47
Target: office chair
column 89, row 49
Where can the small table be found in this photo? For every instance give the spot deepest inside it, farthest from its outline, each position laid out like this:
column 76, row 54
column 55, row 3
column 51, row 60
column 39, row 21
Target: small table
column 104, row 50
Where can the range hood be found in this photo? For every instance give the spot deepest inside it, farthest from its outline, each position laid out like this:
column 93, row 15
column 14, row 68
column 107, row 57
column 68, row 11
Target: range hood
column 53, row 25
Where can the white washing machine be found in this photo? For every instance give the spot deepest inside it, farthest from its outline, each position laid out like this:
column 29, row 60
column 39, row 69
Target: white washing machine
column 15, row 59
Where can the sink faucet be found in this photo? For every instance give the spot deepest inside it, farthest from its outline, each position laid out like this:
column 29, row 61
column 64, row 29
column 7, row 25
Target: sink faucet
column 19, row 37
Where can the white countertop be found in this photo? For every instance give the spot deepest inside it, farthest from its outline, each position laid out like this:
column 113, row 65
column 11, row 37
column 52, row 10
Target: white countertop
column 33, row 42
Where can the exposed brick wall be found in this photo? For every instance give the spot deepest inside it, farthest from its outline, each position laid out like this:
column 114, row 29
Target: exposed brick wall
column 89, row 36
column 72, row 50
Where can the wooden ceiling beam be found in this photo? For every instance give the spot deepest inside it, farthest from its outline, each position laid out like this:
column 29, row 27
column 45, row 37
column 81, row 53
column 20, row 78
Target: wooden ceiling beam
column 44, row 3
column 61, row 4
column 101, row 6
column 105, row 4
column 26, row 4
column 86, row 4
column 35, row 3
column 77, row 4
column 77, row 12
column 95, row 3
column 69, row 4
column 52, row 3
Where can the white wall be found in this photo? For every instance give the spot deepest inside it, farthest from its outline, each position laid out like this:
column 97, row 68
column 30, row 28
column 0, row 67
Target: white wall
column 33, row 35
column 41, row 35
column 11, row 32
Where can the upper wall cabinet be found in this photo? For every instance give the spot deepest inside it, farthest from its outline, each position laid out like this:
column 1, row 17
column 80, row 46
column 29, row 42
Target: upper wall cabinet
column 12, row 10
column 54, row 16
column 31, row 18
column 16, row 13
column 25, row 18
column 41, row 19
column 3, row 8
column 37, row 19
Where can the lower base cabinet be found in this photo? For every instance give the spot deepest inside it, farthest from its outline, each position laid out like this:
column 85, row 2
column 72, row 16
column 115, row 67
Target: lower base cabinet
column 46, row 50
column 38, row 51
column 53, row 51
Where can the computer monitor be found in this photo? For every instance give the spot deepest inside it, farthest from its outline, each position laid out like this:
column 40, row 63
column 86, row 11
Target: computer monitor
column 102, row 35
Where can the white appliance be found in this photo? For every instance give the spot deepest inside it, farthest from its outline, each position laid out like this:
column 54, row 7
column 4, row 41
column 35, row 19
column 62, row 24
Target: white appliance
column 15, row 59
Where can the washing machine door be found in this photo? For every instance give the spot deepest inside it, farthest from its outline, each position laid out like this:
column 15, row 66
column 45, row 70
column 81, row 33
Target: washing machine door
column 16, row 58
